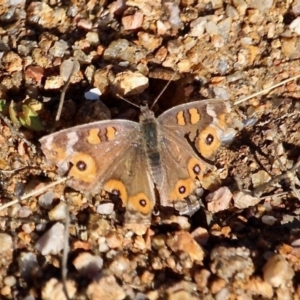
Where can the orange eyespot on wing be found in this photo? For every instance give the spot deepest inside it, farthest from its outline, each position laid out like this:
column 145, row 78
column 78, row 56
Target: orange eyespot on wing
column 83, row 167
column 208, row 142
column 140, row 202
column 196, row 168
column 118, row 188
column 183, row 188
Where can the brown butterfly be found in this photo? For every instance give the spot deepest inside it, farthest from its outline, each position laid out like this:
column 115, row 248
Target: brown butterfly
column 131, row 159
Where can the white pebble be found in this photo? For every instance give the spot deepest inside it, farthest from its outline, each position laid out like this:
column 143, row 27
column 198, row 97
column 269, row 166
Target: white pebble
column 45, row 200
column 52, row 241
column 269, row 220
column 10, row 280
column 103, row 247
column 27, row 228
column 25, row 212
column 105, row 208
column 295, row 26
column 93, row 94
column 5, row 242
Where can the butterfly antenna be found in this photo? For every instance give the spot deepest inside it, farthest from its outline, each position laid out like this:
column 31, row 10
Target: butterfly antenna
column 119, row 96
column 163, row 90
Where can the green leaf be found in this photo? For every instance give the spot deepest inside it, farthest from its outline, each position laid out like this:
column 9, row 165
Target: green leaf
column 3, row 105
column 34, row 104
column 30, row 119
column 12, row 111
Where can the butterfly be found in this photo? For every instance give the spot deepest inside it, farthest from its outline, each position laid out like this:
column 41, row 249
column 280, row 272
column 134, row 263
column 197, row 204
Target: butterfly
column 133, row 160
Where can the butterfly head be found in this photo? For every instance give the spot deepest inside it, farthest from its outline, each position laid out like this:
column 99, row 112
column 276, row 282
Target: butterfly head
column 146, row 113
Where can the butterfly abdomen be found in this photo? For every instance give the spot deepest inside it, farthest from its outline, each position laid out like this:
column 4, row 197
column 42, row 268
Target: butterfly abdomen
column 152, row 144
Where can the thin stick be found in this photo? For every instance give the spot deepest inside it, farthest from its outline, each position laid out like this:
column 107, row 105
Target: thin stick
column 64, row 268
column 63, row 92
column 33, row 193
column 266, row 90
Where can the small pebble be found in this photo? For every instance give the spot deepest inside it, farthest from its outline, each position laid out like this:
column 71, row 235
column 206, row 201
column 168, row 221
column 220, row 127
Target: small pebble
column 27, row 228
column 182, row 295
column 6, row 290
column 28, row 264
column 105, row 208
column 59, row 212
column 46, row 199
column 59, row 48
column 25, row 212
column 183, row 241
column 269, row 220
column 200, row 235
column 6, row 242
column 13, row 210
column 114, row 240
column 53, row 82
column 228, row 262
column 132, row 22
column 88, row 265
column 173, row 11
column 259, row 287
column 242, row 200
column 219, row 200
column 217, row 285
column 10, row 280
column 223, row 294
column 52, row 241
column 277, row 271
column 102, row 244
column 201, row 277
column 120, row 265
column 123, row 50
column 130, row 83
column 54, row 289
column 105, row 288
column 260, row 178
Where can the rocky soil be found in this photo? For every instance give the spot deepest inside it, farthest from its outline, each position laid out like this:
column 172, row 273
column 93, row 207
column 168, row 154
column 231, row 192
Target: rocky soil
column 239, row 245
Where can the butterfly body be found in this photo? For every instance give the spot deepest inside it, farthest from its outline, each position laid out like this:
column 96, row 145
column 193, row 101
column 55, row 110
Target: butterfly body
column 132, row 159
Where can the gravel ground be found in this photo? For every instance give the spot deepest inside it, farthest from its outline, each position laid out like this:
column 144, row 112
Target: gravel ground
column 237, row 246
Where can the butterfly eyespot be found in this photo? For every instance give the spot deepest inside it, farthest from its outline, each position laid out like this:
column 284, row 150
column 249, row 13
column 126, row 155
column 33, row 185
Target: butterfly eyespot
column 197, row 169
column 182, row 189
column 81, row 165
column 143, row 202
column 209, row 139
